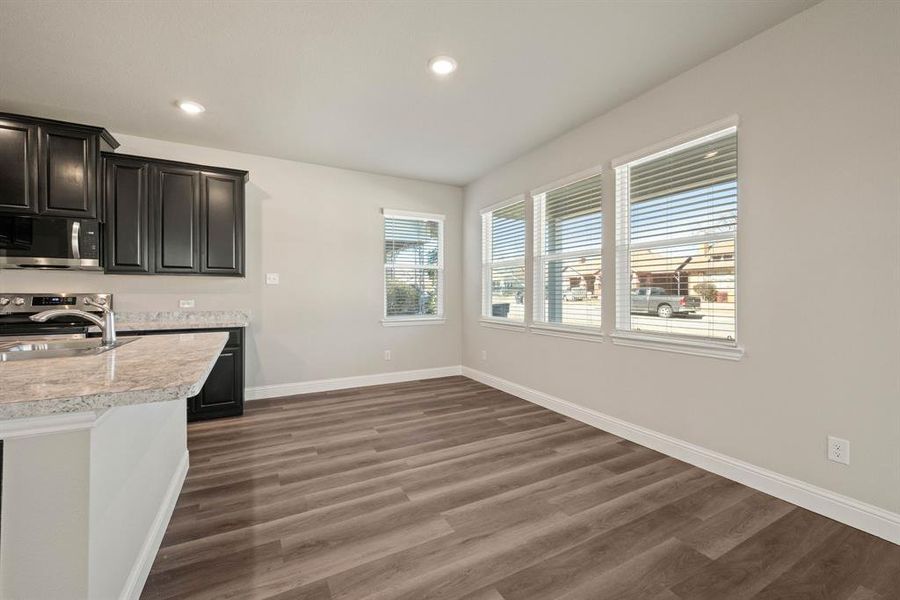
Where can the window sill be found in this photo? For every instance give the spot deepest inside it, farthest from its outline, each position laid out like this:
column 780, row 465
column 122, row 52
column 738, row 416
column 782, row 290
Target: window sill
column 632, row 339
column 573, row 333
column 502, row 324
column 413, row 322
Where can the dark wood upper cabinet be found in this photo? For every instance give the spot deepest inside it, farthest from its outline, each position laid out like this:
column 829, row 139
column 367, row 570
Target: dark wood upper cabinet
column 18, row 167
column 127, row 194
column 162, row 216
column 173, row 218
column 51, row 167
column 222, row 218
column 67, row 166
column 176, row 214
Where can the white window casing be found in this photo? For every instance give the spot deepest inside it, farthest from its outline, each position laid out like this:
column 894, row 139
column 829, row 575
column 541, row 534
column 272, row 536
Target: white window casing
column 413, row 268
column 676, row 250
column 568, row 240
column 503, row 237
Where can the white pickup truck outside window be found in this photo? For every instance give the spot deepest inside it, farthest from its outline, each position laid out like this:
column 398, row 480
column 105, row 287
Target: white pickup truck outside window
column 676, row 228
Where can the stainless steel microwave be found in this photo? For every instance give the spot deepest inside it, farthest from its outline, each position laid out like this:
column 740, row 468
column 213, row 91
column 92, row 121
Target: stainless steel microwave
column 49, row 243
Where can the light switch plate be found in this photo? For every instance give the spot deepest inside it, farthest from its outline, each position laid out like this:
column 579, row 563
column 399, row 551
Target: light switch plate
column 186, row 303
column 272, row 279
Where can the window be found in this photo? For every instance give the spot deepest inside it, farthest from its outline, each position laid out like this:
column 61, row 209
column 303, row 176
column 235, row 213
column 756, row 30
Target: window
column 676, row 223
column 568, row 235
column 503, row 262
column 413, row 266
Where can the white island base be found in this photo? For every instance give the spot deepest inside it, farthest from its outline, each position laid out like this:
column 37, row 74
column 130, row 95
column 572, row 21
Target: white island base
column 87, row 498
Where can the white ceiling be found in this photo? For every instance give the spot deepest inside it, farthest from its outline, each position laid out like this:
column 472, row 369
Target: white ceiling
column 346, row 84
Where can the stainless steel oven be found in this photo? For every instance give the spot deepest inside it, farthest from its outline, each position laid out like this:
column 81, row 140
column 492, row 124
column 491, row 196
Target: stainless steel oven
column 16, row 310
column 49, row 243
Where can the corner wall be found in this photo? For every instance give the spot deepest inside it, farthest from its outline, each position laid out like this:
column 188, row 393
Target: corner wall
column 819, row 231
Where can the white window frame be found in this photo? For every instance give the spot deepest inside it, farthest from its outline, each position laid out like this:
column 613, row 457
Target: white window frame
column 436, row 319
column 487, row 264
column 623, row 334
column 539, row 324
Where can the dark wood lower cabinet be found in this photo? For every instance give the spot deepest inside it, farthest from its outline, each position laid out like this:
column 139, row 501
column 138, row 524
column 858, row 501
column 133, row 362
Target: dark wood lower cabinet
column 223, row 393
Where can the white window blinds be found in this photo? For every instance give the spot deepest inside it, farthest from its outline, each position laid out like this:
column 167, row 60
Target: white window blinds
column 676, row 223
column 413, row 265
column 568, row 235
column 503, row 262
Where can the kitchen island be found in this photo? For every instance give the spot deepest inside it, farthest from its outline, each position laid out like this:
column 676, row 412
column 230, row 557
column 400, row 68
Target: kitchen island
column 94, row 456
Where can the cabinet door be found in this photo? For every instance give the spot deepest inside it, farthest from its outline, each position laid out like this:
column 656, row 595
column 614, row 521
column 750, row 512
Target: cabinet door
column 223, row 392
column 222, row 224
column 176, row 216
column 18, row 167
column 127, row 201
column 67, row 171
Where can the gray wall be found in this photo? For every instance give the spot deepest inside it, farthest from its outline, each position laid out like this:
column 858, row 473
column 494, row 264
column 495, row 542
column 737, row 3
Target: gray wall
column 321, row 229
column 819, row 177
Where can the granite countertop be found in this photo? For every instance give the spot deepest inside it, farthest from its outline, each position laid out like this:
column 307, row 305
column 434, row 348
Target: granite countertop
column 154, row 368
column 181, row 319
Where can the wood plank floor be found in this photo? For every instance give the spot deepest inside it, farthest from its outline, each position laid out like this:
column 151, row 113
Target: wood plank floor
column 449, row 489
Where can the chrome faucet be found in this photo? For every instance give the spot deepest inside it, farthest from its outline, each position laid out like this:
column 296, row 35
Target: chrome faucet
column 107, row 324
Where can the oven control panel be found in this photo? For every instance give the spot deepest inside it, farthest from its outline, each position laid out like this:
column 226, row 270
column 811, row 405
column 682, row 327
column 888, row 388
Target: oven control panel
column 13, row 303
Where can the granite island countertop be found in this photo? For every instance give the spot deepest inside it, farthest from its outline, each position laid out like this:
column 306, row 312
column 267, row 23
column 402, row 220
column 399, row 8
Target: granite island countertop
column 150, row 369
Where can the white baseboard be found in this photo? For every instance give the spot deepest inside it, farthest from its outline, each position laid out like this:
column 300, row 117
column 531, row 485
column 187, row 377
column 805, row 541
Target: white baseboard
column 323, row 385
column 869, row 518
column 134, row 585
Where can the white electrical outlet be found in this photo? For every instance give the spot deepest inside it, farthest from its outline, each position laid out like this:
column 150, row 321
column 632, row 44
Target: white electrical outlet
column 272, row 278
column 387, row 355
column 838, row 450
column 185, row 304
column 484, row 355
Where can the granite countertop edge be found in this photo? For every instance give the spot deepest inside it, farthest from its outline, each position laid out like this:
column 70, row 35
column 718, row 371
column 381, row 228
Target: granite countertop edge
column 93, row 402
column 166, row 320
column 112, row 399
column 173, row 325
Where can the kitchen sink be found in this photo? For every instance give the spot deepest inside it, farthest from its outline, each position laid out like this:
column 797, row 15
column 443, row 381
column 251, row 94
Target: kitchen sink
column 34, row 349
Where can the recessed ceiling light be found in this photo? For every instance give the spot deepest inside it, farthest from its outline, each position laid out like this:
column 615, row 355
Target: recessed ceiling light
column 191, row 107
column 442, row 65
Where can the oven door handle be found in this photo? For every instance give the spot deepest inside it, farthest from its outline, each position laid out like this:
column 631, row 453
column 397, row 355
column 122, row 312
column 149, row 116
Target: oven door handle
column 76, row 233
